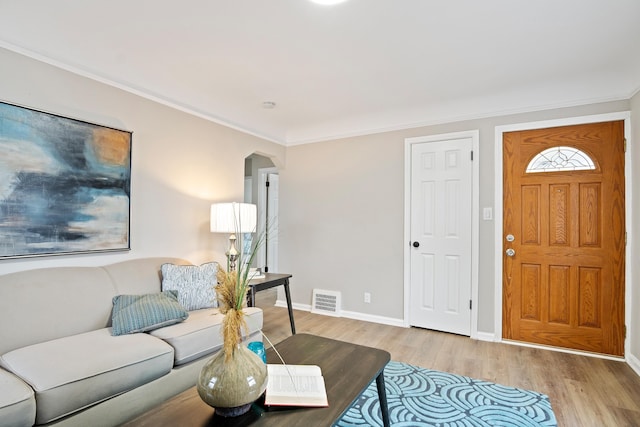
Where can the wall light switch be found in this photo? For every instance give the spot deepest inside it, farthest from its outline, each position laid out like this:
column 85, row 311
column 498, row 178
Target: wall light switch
column 487, row 214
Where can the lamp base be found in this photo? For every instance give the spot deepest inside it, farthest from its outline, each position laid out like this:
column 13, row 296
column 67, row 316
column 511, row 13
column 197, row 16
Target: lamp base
column 232, row 253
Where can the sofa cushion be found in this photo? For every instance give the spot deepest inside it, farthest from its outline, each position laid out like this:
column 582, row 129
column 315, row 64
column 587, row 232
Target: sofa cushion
column 71, row 373
column 141, row 313
column 201, row 334
column 17, row 401
column 195, row 284
column 139, row 276
column 48, row 303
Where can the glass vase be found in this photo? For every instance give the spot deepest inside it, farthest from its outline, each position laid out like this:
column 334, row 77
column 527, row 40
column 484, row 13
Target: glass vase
column 231, row 386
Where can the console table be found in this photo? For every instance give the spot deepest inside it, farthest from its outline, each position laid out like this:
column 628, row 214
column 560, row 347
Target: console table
column 271, row 280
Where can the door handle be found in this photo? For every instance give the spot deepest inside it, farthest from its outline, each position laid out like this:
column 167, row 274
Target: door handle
column 416, row 244
column 510, row 252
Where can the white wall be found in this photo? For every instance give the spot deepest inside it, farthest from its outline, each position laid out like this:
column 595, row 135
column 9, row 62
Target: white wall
column 341, row 221
column 341, row 211
column 341, row 214
column 180, row 163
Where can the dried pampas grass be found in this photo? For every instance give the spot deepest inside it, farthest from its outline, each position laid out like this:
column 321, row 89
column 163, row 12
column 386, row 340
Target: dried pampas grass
column 231, row 298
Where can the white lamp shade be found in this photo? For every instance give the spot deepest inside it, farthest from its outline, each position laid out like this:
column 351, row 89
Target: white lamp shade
column 233, row 218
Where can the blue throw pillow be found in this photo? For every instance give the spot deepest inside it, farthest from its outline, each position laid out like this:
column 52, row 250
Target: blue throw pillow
column 141, row 313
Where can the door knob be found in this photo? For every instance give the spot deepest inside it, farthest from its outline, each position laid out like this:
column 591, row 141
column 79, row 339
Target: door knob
column 510, row 252
column 416, row 244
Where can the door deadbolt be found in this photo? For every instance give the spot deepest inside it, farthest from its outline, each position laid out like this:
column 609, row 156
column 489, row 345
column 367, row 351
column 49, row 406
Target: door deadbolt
column 510, row 238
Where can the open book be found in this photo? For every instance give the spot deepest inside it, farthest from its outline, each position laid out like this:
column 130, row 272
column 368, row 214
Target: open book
column 255, row 273
column 295, row 385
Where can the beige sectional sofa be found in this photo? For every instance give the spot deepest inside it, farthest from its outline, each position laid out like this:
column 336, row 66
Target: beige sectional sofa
column 61, row 365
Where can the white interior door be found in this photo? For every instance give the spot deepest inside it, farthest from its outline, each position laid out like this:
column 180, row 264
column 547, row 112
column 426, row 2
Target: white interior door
column 441, row 235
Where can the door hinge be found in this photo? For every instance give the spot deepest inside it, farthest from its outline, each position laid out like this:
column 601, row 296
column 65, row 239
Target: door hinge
column 625, row 145
column 266, row 183
column 470, row 304
column 472, row 155
column 625, row 238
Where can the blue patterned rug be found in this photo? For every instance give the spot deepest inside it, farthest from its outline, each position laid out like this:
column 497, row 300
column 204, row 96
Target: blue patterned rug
column 420, row 397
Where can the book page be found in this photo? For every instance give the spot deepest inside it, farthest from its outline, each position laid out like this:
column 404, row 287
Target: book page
column 306, row 370
column 295, row 385
column 284, row 385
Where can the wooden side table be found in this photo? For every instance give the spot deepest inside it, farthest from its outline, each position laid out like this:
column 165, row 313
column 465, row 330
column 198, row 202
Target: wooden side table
column 271, row 280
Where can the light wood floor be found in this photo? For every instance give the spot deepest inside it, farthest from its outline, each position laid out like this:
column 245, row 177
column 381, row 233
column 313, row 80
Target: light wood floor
column 584, row 391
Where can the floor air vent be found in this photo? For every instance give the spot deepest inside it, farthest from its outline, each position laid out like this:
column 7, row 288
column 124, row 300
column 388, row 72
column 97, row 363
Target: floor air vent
column 326, row 302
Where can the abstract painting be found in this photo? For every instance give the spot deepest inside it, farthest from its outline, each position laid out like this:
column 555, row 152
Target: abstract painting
column 64, row 185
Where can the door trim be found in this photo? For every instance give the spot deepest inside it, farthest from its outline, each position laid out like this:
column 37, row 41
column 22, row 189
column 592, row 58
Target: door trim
column 475, row 209
column 498, row 217
column 262, row 202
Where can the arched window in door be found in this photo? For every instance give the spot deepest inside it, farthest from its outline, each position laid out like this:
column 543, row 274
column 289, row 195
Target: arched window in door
column 560, row 159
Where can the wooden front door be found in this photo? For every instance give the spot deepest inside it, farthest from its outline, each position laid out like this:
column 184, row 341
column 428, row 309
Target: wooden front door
column 564, row 237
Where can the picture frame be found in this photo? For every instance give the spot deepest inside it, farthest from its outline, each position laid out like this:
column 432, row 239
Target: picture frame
column 65, row 185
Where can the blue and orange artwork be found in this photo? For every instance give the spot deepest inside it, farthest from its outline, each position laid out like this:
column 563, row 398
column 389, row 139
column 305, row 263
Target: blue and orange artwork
column 64, row 184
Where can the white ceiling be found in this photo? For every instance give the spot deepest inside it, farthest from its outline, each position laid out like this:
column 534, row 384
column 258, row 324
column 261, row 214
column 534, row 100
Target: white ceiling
column 355, row 68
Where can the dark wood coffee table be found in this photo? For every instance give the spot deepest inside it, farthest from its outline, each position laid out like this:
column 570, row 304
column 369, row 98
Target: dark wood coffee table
column 348, row 370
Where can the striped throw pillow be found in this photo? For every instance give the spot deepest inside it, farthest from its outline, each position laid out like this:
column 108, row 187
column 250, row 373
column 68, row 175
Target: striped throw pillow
column 142, row 313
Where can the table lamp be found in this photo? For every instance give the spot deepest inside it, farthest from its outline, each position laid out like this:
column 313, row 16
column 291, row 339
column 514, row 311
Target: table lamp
column 233, row 218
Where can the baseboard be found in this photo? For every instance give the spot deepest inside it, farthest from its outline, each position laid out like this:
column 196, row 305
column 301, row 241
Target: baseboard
column 373, row 318
column 634, row 362
column 481, row 336
column 485, row 336
column 296, row 306
column 351, row 315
